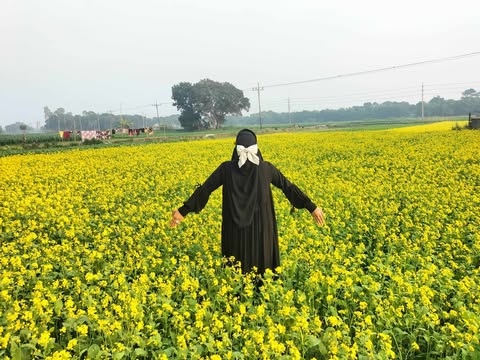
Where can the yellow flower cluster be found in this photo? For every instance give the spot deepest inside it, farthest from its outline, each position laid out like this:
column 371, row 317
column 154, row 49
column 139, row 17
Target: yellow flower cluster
column 90, row 269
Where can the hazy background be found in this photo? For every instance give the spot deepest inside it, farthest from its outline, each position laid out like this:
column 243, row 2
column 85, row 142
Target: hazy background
column 122, row 56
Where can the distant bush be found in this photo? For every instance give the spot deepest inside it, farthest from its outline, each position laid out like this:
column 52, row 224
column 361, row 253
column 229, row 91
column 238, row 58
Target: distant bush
column 459, row 127
column 92, row 142
column 7, row 139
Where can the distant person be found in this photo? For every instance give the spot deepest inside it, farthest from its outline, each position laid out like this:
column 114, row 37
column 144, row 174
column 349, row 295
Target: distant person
column 249, row 227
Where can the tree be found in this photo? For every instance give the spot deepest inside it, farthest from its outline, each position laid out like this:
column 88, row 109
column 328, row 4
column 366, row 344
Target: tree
column 471, row 100
column 215, row 100
column 60, row 116
column 23, row 127
column 50, row 119
column 183, row 96
column 207, row 103
column 470, row 93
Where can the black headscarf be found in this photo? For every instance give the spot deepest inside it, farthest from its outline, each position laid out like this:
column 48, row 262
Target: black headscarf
column 242, row 192
column 245, row 138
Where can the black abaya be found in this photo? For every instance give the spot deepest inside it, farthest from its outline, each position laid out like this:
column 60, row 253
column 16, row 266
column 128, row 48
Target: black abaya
column 249, row 227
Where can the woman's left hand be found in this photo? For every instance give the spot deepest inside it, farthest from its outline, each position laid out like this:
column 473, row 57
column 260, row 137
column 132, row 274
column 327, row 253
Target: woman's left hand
column 318, row 216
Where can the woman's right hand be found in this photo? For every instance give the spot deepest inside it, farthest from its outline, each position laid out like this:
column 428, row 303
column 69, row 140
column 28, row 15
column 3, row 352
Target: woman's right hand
column 176, row 218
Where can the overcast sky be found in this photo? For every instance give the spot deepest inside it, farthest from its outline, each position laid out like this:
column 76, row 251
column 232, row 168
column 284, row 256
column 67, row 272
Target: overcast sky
column 118, row 55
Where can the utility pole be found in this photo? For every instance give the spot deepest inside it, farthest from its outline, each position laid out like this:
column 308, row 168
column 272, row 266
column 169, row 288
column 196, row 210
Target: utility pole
column 422, row 103
column 121, row 116
column 289, row 115
column 156, row 106
column 111, row 119
column 158, row 117
column 258, row 89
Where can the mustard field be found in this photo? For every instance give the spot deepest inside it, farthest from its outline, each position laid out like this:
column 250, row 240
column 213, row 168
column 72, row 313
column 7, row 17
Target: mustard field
column 90, row 269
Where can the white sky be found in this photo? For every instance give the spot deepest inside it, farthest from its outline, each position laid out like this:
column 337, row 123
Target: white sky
column 103, row 55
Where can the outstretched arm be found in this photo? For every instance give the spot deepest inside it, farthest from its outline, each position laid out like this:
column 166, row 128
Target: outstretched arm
column 197, row 201
column 296, row 197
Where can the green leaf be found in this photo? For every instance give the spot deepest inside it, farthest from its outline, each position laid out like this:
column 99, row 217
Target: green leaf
column 93, row 351
column 119, row 355
column 58, row 306
column 15, row 351
column 69, row 323
column 140, row 352
column 238, row 355
column 312, row 341
column 28, row 346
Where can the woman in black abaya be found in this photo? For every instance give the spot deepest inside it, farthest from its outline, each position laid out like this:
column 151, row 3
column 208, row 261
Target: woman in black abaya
column 249, row 227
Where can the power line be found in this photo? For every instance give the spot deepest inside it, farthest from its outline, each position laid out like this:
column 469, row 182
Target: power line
column 457, row 83
column 333, row 101
column 299, row 101
column 138, row 107
column 391, row 94
column 407, row 90
column 385, row 93
column 432, row 61
column 258, row 88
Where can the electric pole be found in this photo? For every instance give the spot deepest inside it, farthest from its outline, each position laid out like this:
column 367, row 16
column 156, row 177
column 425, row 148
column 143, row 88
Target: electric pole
column 111, row 119
column 158, row 117
column 422, row 103
column 258, row 89
column 121, row 116
column 156, row 106
column 289, row 116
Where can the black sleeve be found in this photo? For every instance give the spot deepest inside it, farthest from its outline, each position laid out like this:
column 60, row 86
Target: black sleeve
column 197, row 201
column 296, row 197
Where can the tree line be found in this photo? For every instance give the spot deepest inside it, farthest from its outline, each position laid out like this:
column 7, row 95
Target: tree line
column 210, row 104
column 437, row 106
column 207, row 103
column 203, row 105
column 89, row 120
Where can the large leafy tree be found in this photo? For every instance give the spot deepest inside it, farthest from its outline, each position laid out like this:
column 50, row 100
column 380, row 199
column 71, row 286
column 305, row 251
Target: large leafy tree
column 50, row 119
column 470, row 93
column 471, row 100
column 206, row 104
column 184, row 99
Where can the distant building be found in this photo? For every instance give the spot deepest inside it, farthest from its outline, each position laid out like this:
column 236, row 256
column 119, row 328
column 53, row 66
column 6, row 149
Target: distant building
column 473, row 121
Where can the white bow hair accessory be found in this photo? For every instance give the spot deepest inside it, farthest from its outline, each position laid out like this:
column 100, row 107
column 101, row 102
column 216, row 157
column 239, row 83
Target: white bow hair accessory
column 249, row 153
